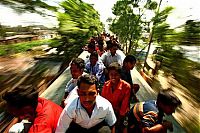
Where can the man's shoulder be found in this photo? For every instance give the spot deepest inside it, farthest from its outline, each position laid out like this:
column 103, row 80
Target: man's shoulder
column 125, row 83
column 102, row 102
column 47, row 103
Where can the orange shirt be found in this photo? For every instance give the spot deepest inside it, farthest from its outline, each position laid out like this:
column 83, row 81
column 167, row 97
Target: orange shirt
column 119, row 98
column 47, row 117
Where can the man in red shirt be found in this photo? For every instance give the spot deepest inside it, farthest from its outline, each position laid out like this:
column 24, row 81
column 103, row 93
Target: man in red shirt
column 117, row 91
column 24, row 103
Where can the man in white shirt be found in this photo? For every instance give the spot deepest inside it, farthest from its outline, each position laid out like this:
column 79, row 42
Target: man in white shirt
column 113, row 55
column 87, row 113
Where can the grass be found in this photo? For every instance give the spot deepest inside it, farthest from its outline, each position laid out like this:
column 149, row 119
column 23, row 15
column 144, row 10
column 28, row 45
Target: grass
column 24, row 46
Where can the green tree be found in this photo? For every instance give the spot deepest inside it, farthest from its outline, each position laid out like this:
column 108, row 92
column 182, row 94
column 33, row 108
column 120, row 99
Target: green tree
column 191, row 33
column 165, row 39
column 78, row 22
column 130, row 21
column 2, row 31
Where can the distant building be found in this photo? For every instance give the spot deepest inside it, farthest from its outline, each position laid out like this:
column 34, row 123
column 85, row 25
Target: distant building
column 18, row 39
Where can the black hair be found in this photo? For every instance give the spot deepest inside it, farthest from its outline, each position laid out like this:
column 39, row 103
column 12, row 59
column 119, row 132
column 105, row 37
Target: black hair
column 115, row 66
column 114, row 44
column 22, row 96
column 88, row 79
column 167, row 97
column 94, row 54
column 91, row 45
column 130, row 58
column 79, row 62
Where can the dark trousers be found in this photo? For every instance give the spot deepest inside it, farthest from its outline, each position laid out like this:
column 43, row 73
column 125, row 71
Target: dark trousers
column 99, row 128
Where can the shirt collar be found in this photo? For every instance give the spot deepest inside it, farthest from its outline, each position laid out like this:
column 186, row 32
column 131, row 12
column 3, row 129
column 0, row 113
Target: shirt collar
column 97, row 103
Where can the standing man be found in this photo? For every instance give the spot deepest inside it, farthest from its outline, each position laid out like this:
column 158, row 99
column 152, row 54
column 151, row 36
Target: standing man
column 112, row 55
column 89, row 112
column 128, row 64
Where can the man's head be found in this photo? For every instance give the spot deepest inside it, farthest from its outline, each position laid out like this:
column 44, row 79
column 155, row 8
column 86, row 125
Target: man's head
column 113, row 48
column 129, row 62
column 114, row 71
column 167, row 101
column 87, row 90
column 91, row 47
column 77, row 66
column 22, row 102
column 93, row 58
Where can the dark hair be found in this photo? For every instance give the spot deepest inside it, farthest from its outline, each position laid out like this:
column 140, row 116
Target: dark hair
column 114, row 44
column 167, row 97
column 115, row 66
column 79, row 62
column 91, row 45
column 130, row 58
column 88, row 79
column 94, row 54
column 22, row 96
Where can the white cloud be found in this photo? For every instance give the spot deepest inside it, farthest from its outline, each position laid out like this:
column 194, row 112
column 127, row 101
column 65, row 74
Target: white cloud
column 9, row 17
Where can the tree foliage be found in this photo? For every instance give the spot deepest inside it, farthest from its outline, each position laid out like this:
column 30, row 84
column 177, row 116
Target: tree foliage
column 77, row 23
column 191, row 33
column 162, row 34
column 130, row 21
column 32, row 6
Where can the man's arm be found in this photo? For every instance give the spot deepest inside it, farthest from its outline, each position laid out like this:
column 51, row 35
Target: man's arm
column 63, row 122
column 126, row 101
column 159, row 128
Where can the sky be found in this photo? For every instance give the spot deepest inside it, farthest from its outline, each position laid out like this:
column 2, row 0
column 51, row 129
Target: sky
column 184, row 10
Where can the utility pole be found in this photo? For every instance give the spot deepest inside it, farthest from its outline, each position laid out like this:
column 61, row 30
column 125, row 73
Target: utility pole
column 151, row 36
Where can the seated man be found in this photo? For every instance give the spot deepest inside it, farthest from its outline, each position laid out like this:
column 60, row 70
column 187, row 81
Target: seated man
column 113, row 55
column 77, row 66
column 117, row 91
column 23, row 102
column 128, row 65
column 89, row 112
column 95, row 67
column 147, row 117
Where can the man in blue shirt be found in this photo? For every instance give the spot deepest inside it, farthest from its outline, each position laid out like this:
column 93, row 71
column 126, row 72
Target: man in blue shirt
column 147, row 117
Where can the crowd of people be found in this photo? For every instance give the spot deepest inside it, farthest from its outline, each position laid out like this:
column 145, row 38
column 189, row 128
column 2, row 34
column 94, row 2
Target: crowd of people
column 97, row 98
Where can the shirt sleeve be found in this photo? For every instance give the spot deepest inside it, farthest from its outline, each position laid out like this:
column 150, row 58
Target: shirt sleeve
column 64, row 121
column 68, row 85
column 103, row 92
column 87, row 68
column 125, row 106
column 110, row 117
column 40, row 128
column 100, row 71
column 103, row 58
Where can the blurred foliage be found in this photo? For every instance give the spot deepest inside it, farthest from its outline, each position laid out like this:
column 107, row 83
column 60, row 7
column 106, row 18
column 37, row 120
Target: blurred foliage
column 181, row 68
column 161, row 32
column 190, row 34
column 77, row 24
column 32, row 6
column 24, row 46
